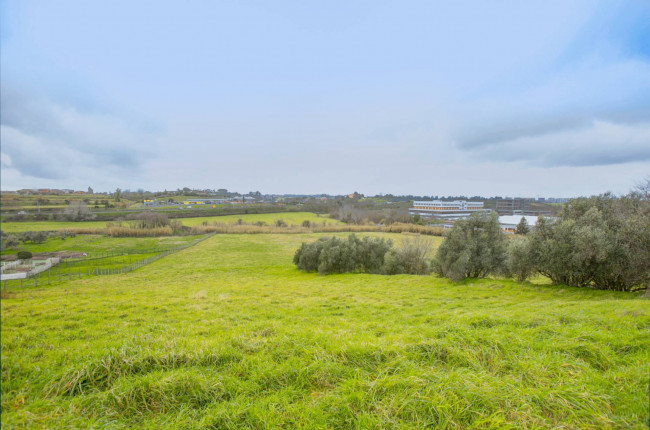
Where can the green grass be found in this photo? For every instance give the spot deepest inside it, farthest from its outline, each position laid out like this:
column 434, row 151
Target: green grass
column 227, row 334
column 93, row 244
column 288, row 217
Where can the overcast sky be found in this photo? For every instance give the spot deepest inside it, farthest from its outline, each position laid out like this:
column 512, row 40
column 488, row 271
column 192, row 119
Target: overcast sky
column 534, row 98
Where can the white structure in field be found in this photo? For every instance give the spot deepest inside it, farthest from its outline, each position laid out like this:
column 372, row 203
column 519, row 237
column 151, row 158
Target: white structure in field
column 446, row 210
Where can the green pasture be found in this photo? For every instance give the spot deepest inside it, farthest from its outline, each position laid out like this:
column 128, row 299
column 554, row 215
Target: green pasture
column 228, row 335
column 288, row 217
column 93, row 244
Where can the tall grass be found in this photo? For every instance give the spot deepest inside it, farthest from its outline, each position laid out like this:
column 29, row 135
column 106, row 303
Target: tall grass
column 120, row 231
column 315, row 228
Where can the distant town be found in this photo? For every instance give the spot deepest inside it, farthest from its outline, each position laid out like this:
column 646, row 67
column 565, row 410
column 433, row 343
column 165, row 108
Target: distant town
column 354, row 208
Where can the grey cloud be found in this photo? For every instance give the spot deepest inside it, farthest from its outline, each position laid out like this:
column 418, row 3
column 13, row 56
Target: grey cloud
column 598, row 144
column 497, row 134
column 51, row 140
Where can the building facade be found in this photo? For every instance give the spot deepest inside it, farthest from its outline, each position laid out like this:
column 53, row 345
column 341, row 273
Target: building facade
column 446, row 210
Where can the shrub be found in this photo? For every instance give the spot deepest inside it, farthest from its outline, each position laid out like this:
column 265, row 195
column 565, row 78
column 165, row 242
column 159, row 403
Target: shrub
column 474, row 248
column 306, row 223
column 601, row 242
column 411, row 257
column 9, row 241
column 280, row 223
column 307, row 257
column 334, row 255
column 24, row 255
column 519, row 259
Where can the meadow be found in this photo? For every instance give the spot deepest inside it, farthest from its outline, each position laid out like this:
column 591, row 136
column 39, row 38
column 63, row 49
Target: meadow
column 291, row 218
column 228, row 334
column 96, row 245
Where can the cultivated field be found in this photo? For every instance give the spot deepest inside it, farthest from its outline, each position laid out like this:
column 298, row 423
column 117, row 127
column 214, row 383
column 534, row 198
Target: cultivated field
column 227, row 334
column 295, row 218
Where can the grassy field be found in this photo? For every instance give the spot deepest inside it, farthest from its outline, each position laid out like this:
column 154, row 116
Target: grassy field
column 288, row 217
column 227, row 334
column 93, row 244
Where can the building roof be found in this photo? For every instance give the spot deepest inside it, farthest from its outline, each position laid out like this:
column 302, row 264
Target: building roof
column 516, row 219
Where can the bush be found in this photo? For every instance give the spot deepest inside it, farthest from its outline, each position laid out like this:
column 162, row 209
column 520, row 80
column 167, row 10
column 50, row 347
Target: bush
column 9, row 241
column 306, row 223
column 601, row 242
column 520, row 261
column 334, row 255
column 474, row 248
column 411, row 257
column 24, row 255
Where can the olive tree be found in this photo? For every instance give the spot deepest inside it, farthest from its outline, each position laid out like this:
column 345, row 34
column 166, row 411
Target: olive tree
column 474, row 248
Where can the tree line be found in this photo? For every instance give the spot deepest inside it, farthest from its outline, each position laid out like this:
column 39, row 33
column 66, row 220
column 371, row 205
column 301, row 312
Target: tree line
column 600, row 242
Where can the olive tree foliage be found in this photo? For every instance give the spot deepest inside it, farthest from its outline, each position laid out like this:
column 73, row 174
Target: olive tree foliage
column 334, row 255
column 474, row 248
column 601, row 242
column 519, row 262
column 411, row 257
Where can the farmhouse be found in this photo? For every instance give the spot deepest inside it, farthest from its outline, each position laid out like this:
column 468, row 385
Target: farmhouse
column 446, row 210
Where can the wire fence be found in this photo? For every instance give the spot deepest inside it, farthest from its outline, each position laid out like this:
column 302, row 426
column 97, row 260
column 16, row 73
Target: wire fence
column 109, row 264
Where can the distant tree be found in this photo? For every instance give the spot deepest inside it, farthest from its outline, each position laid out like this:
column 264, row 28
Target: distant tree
column 77, row 211
column 474, row 248
column 118, row 195
column 8, row 241
column 522, row 227
column 90, row 191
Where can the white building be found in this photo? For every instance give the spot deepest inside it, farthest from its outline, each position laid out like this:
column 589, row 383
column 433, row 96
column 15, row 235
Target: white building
column 509, row 222
column 446, row 210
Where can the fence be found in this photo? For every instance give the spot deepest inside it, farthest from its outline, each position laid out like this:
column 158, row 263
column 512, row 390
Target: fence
column 59, row 273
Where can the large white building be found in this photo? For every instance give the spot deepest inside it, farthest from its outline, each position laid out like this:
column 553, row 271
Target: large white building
column 446, row 210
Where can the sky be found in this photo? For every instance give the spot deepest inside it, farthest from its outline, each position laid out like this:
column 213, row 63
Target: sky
column 536, row 98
